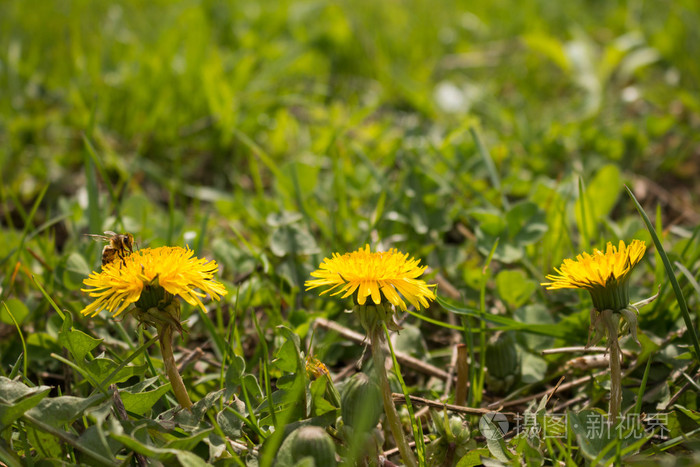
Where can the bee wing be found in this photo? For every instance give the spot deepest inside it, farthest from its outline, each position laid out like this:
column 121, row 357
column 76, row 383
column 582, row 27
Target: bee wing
column 110, row 233
column 98, row 238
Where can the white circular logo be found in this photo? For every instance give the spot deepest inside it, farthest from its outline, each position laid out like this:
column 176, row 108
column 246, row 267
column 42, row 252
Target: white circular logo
column 497, row 427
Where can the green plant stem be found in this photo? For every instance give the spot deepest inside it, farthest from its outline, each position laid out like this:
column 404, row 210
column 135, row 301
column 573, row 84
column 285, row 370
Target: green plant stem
column 166, row 349
column 392, row 416
column 25, row 356
column 612, row 321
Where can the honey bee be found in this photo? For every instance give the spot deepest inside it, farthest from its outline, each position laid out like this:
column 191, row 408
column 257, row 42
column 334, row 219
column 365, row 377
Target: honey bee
column 119, row 246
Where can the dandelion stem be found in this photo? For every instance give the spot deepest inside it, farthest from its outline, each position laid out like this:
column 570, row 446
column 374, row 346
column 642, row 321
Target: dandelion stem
column 166, row 348
column 612, row 321
column 392, row 416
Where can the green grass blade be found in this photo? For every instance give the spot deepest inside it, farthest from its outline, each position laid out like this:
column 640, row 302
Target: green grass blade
column 490, row 166
column 15, row 368
column 671, row 276
column 435, row 321
column 21, row 337
column 643, row 386
column 659, row 269
column 690, row 241
column 504, row 323
column 688, row 275
column 49, row 299
column 666, row 445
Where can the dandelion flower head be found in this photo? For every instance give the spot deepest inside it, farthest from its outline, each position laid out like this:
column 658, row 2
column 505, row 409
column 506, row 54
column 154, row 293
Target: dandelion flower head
column 315, row 367
column 174, row 269
column 389, row 275
column 604, row 274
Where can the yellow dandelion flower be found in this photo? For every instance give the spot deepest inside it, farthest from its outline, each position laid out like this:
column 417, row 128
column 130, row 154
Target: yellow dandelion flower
column 315, row 367
column 604, row 274
column 171, row 270
column 389, row 275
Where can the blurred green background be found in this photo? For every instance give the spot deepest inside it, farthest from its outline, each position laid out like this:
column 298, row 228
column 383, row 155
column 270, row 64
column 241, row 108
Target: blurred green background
column 178, row 96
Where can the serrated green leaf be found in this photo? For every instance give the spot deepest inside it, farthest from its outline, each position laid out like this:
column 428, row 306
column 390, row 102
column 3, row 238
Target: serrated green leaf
column 286, row 357
column 319, row 405
column 101, row 368
column 140, row 402
column 76, row 341
column 207, row 402
column 58, row 411
column 12, row 391
column 497, row 447
column 229, row 423
column 16, row 399
column 293, row 337
column 189, row 419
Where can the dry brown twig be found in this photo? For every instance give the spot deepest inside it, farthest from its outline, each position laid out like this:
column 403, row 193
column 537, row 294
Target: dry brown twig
column 404, row 359
column 562, row 387
column 400, row 398
column 191, row 356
